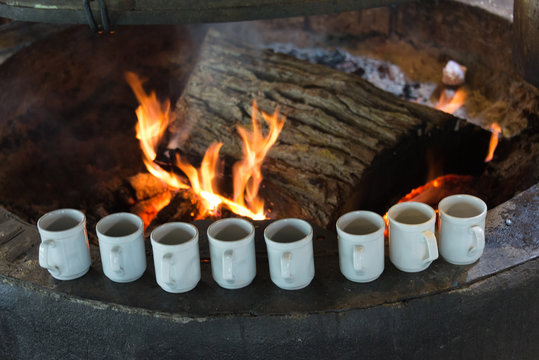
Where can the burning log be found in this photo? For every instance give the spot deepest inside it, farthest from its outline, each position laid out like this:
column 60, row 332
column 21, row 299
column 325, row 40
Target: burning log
column 182, row 206
column 152, row 199
column 144, row 195
column 336, row 123
column 146, row 186
column 435, row 190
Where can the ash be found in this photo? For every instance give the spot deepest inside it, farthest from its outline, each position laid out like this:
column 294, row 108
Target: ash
column 382, row 74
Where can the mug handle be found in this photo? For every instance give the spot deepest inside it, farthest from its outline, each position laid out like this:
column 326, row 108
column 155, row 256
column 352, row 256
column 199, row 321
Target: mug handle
column 358, row 258
column 44, row 257
column 432, row 248
column 479, row 241
column 286, row 260
column 166, row 266
column 228, row 256
column 115, row 260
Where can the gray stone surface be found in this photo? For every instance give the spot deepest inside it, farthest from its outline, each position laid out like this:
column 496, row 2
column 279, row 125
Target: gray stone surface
column 506, row 246
column 495, row 318
column 487, row 308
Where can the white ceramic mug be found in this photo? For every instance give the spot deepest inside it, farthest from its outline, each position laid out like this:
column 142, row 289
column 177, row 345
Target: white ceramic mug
column 176, row 257
column 121, row 245
column 64, row 249
column 232, row 252
column 361, row 245
column 462, row 228
column 290, row 253
column 412, row 243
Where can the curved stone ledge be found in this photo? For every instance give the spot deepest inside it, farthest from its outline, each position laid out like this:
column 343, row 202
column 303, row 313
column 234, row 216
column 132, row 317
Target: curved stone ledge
column 485, row 308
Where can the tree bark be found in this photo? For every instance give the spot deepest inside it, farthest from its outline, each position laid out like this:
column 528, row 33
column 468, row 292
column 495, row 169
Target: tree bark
column 336, row 123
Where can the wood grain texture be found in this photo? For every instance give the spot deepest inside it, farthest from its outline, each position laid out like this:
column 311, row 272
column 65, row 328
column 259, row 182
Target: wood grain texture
column 336, row 123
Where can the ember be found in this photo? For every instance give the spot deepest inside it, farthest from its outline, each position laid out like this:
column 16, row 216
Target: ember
column 153, row 120
column 435, row 190
column 450, row 100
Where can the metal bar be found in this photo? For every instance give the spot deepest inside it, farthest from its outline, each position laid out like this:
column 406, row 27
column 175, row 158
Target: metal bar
column 89, row 15
column 123, row 12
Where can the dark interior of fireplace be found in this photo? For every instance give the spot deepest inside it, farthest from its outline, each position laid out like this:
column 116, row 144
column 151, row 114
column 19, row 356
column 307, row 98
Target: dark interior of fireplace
column 68, row 115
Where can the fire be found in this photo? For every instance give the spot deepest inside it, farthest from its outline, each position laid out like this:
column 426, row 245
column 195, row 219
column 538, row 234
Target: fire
column 435, row 190
column 149, row 209
column 153, row 120
column 203, row 180
column 416, row 194
column 247, row 175
column 450, row 102
column 496, row 132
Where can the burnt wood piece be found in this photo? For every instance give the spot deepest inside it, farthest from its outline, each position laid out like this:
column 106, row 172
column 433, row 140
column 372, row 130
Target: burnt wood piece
column 152, row 200
column 145, row 186
column 336, row 123
column 182, row 206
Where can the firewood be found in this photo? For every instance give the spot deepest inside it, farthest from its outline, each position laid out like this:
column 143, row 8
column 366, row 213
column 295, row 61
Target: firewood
column 336, row 123
column 146, row 186
column 182, row 207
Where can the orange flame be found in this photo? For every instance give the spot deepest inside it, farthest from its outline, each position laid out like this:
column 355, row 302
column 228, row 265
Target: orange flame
column 148, row 209
column 153, row 120
column 202, row 180
column 450, row 104
column 247, row 174
column 425, row 193
column 496, row 132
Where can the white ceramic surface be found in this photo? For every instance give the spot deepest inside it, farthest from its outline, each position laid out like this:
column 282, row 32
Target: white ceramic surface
column 176, row 256
column 121, row 245
column 290, row 253
column 64, row 249
column 462, row 228
column 232, row 252
column 361, row 245
column 412, row 243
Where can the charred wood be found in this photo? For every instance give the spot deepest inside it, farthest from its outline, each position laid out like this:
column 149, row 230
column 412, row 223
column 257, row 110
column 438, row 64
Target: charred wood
column 337, row 123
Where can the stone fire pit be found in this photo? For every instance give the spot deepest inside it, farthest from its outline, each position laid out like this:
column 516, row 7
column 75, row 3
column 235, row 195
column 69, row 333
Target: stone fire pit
column 487, row 309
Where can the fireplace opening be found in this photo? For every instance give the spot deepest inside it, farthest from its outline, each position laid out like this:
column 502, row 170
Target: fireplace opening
column 71, row 142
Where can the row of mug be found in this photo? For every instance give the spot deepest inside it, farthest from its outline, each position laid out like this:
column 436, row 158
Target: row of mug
column 413, row 246
column 64, row 250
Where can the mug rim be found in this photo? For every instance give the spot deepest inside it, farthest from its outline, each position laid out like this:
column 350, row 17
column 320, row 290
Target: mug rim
column 414, row 204
column 174, row 225
column 137, row 221
column 477, row 200
column 288, row 245
column 361, row 237
column 58, row 234
column 246, row 239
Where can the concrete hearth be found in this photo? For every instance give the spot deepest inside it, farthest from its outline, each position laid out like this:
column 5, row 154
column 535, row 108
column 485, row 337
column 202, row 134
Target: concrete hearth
column 485, row 310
